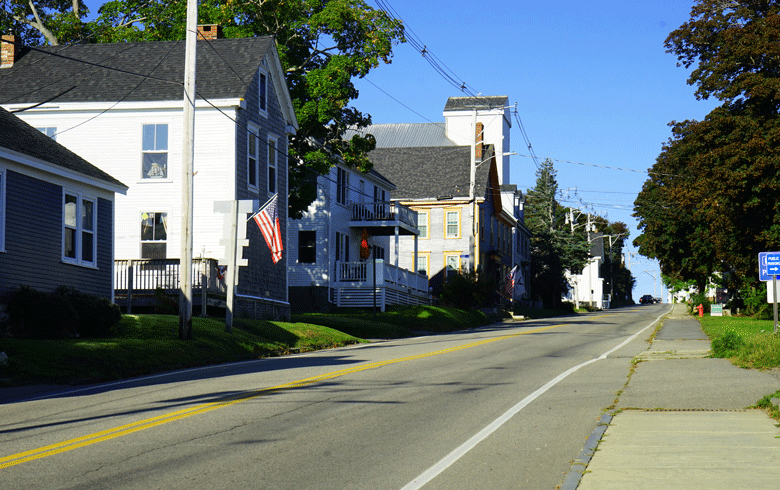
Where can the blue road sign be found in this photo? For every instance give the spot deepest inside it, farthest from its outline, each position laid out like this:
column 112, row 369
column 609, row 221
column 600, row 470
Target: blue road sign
column 768, row 265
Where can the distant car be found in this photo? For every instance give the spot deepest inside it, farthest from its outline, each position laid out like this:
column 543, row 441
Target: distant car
column 646, row 300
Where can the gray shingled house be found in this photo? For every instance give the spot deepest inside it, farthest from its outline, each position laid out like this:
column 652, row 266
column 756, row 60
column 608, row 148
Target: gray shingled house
column 120, row 107
column 56, row 215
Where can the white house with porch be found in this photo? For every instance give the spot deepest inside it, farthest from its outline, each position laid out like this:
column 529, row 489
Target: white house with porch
column 325, row 262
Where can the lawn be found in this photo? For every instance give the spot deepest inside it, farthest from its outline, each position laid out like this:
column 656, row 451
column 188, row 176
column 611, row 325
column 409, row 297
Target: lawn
column 747, row 342
column 146, row 344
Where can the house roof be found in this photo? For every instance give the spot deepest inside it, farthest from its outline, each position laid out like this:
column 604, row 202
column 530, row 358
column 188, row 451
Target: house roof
column 471, row 103
column 20, row 137
column 140, row 71
column 406, row 135
column 431, row 172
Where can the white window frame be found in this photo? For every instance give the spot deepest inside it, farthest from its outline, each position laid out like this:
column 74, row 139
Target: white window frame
column 273, row 155
column 426, row 257
column 447, row 213
column 50, row 131
column 253, row 134
column 78, row 228
column 342, row 186
column 2, row 208
column 153, row 241
column 426, row 226
column 156, row 151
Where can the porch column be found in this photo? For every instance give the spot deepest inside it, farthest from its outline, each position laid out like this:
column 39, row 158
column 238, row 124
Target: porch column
column 414, row 267
column 396, row 246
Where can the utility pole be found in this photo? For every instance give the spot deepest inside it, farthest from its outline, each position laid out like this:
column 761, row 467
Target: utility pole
column 576, row 279
column 472, row 195
column 188, row 155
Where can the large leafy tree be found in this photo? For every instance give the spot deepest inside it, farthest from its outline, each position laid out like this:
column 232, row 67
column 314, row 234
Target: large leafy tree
column 711, row 201
column 323, row 45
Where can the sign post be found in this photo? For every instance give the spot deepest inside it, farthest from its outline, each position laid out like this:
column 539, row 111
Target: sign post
column 769, row 266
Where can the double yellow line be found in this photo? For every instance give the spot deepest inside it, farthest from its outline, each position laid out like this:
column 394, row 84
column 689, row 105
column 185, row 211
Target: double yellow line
column 123, row 430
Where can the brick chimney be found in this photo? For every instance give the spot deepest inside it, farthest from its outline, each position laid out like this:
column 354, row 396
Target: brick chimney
column 480, row 139
column 10, row 47
column 209, row 32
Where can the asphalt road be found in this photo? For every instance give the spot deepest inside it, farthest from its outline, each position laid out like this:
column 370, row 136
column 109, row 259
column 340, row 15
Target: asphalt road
column 505, row 406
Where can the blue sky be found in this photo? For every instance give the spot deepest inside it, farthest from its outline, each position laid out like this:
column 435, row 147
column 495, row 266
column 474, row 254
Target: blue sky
column 593, row 84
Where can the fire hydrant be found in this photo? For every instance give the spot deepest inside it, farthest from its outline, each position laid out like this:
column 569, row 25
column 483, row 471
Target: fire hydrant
column 701, row 309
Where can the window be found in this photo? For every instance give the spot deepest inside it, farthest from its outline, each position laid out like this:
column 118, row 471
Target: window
column 453, row 224
column 271, row 166
column 422, row 264
column 342, row 186
column 155, row 151
column 307, row 247
column 380, row 209
column 452, row 262
column 422, row 223
column 78, row 234
column 154, row 235
column 252, row 146
column 262, row 92
column 49, row 131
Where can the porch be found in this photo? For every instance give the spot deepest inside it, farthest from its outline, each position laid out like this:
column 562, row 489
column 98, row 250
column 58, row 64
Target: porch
column 136, row 280
column 355, row 285
column 384, row 218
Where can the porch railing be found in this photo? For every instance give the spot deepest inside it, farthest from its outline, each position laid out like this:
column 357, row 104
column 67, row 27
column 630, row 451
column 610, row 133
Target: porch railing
column 354, row 285
column 384, row 211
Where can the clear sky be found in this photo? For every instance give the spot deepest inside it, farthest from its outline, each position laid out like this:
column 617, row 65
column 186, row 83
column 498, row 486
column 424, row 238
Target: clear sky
column 593, row 84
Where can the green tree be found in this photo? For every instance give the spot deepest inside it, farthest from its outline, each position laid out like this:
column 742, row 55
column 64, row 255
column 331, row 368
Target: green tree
column 554, row 247
column 711, row 201
column 323, row 46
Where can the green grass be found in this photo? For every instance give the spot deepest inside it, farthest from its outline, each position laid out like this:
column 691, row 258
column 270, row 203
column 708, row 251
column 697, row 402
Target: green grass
column 146, row 344
column 747, row 342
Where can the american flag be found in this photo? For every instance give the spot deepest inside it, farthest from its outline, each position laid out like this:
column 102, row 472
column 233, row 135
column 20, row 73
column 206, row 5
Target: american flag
column 267, row 219
column 509, row 283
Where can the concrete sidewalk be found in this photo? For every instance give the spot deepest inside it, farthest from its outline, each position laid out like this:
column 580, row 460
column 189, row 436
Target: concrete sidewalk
column 682, row 422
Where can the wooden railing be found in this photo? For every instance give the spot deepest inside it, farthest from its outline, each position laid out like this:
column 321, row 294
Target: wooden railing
column 354, row 285
column 384, row 211
column 143, row 276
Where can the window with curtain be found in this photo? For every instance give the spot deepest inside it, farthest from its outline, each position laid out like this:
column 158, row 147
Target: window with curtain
column 154, row 235
column 155, row 151
column 78, row 234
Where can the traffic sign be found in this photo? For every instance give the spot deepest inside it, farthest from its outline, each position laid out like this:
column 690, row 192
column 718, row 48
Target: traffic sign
column 768, row 265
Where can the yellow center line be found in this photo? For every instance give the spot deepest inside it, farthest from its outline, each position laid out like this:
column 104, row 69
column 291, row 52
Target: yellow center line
column 140, row 425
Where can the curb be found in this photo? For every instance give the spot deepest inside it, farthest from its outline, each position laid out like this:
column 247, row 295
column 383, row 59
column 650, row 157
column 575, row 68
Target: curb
column 573, row 477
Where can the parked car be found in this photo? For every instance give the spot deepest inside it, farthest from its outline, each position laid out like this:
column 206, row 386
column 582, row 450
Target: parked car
column 647, row 299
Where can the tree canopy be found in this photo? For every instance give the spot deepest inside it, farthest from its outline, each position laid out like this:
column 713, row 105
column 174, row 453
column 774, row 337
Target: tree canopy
column 323, row 46
column 711, row 200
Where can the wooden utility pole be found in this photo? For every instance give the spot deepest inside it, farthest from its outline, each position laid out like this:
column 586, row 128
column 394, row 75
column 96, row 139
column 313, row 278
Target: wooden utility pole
column 188, row 155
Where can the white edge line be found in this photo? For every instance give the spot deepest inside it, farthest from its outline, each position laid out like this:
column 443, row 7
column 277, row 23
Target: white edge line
column 467, row 446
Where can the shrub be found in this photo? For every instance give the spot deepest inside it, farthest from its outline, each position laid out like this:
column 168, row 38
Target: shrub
column 66, row 312
column 696, row 300
column 95, row 315
column 37, row 315
column 727, row 344
column 468, row 290
column 756, row 305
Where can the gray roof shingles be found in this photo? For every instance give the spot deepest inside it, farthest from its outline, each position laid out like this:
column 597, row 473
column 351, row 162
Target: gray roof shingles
column 18, row 136
column 430, row 172
column 117, row 71
column 471, row 103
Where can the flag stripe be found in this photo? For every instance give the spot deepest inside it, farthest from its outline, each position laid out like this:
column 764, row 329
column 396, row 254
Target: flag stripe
column 267, row 220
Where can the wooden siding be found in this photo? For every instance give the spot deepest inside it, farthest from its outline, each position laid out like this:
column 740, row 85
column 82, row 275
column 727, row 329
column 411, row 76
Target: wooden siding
column 34, row 241
column 262, row 278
